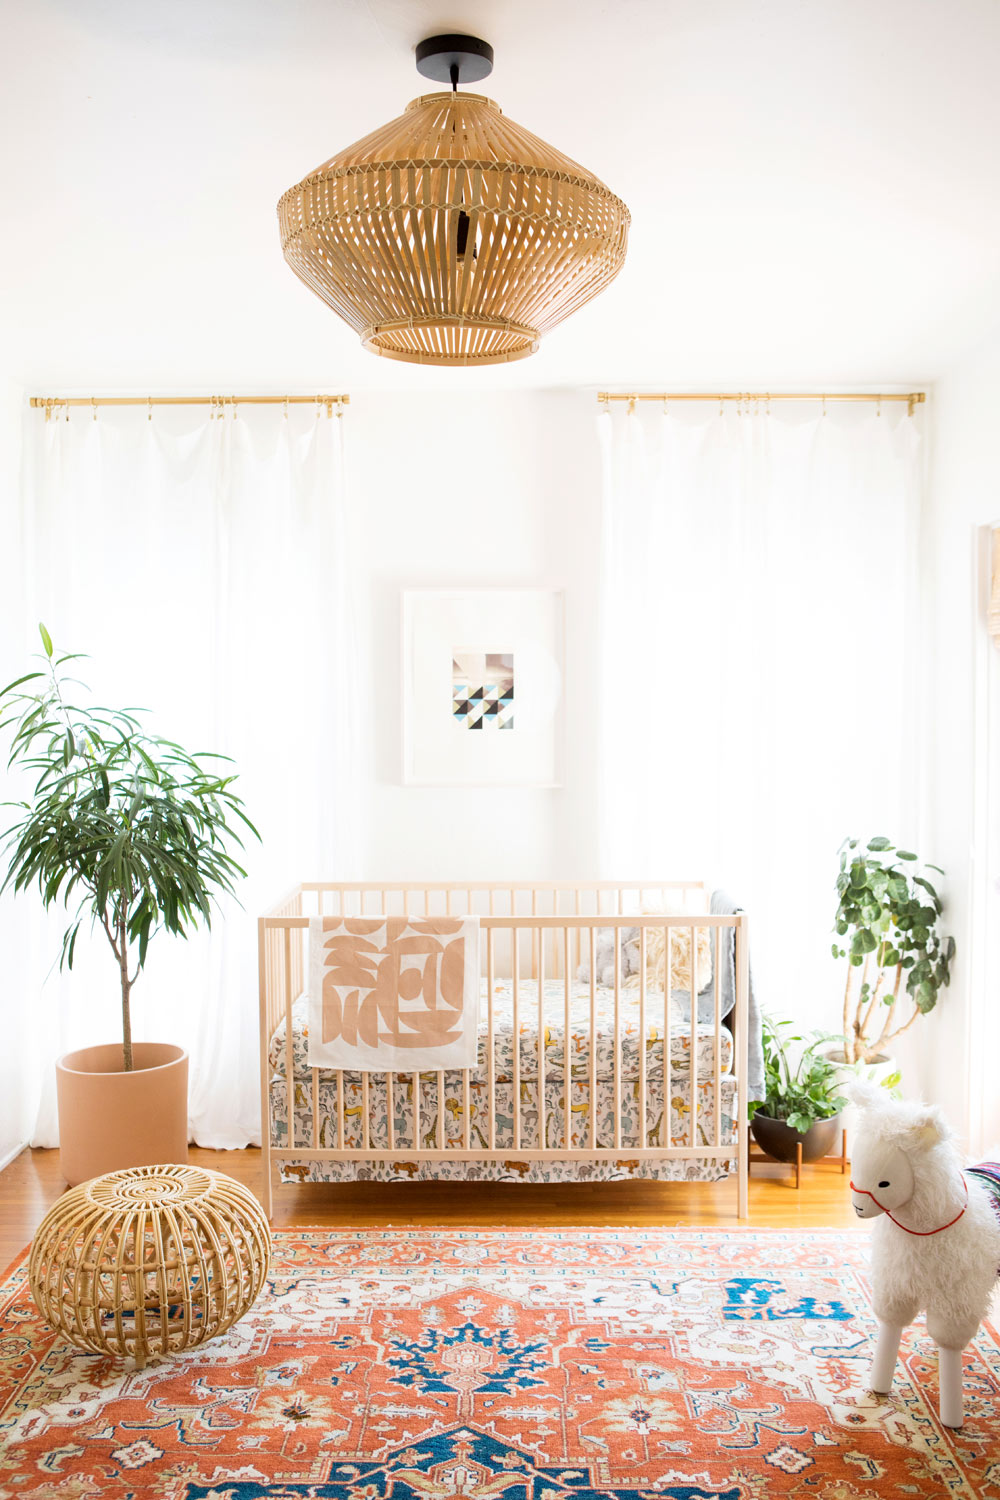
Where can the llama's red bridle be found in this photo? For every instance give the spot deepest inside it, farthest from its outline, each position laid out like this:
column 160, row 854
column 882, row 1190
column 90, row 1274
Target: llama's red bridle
column 866, row 1194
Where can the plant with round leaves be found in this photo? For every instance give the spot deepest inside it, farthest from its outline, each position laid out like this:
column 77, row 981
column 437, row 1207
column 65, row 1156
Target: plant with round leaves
column 888, row 930
column 800, row 1094
column 121, row 826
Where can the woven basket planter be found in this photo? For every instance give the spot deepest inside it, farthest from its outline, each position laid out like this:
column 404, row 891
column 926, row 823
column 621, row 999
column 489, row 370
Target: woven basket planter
column 149, row 1260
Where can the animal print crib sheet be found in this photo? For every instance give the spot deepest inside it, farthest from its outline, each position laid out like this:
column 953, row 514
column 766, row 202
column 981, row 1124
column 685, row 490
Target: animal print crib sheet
column 554, row 1016
column 402, row 1167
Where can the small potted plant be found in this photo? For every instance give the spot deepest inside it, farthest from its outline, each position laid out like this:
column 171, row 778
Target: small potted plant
column 133, row 836
column 801, row 1104
column 887, row 929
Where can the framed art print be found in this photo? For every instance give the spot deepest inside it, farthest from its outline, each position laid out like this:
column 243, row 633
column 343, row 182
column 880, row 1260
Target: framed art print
column 482, row 687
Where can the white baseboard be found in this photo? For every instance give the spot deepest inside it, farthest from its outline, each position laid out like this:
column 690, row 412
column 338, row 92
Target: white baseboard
column 14, row 1151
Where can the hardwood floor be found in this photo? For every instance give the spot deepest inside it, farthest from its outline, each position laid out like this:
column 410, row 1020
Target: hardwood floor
column 33, row 1181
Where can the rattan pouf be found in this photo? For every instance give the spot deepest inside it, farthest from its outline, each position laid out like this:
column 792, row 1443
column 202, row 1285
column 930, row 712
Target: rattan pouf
column 149, row 1260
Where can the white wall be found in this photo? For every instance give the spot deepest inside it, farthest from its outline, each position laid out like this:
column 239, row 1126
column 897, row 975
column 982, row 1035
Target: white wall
column 13, row 1123
column 459, row 490
column 956, row 1047
column 503, row 487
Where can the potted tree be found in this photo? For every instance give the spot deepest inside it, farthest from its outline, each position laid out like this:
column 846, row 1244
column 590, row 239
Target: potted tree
column 133, row 836
column 801, row 1104
column 888, row 930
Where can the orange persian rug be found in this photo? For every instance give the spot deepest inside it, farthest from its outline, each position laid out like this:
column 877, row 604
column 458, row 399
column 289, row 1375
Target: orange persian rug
column 562, row 1365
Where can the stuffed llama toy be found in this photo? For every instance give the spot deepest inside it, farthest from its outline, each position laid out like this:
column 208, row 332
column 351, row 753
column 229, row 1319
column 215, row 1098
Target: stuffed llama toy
column 936, row 1245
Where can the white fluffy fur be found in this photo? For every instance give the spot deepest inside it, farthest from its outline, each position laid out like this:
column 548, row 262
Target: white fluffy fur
column 951, row 1275
column 680, row 955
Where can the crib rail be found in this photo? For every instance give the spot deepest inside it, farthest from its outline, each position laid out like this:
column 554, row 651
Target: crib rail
column 536, row 953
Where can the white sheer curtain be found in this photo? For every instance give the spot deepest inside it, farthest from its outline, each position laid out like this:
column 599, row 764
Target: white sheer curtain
column 201, row 562
column 759, row 638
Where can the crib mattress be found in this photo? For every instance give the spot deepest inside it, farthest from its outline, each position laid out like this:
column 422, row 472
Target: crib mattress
column 402, row 1168
column 553, row 1000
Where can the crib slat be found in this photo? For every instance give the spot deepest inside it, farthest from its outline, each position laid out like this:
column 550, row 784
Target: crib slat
column 366, row 1113
column 693, row 1056
column 567, row 1062
column 390, row 1105
column 491, row 1063
column 315, row 1108
column 592, row 1042
column 416, row 1112
column 616, row 1056
column 540, row 1040
column 289, row 1064
column 341, row 1118
column 667, row 1040
column 516, row 1053
column 642, row 1037
column 466, row 1109
column 440, row 1110
column 534, row 941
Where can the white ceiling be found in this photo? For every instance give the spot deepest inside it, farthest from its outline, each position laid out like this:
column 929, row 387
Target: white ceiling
column 814, row 187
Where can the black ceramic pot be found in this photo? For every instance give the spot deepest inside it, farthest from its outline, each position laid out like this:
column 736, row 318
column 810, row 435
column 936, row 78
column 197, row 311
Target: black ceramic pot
column 779, row 1140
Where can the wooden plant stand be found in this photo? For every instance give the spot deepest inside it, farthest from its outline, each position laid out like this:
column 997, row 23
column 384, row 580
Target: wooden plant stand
column 842, row 1160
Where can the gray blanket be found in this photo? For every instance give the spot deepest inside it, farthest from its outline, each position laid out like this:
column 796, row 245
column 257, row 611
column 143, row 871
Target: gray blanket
column 722, row 905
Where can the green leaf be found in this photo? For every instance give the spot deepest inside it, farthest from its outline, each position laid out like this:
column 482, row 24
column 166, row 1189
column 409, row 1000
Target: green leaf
column 905, row 854
column 879, row 844
column 28, row 677
column 46, row 639
column 925, row 996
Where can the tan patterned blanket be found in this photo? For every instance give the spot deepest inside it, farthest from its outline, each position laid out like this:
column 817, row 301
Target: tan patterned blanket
column 393, row 994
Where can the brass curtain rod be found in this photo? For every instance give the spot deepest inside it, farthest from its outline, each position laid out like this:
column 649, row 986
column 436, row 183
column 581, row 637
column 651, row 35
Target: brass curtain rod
column 51, row 402
column 913, row 398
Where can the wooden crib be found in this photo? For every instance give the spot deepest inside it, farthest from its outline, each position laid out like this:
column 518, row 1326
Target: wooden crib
column 576, row 1078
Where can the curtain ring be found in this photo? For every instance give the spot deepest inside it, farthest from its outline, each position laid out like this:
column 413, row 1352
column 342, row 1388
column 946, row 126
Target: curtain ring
column 285, row 411
column 93, row 406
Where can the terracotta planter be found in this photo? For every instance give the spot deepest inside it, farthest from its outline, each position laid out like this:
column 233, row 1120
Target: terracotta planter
column 110, row 1119
column 779, row 1140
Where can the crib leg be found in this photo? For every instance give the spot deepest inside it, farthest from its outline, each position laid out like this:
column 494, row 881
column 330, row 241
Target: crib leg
column 886, row 1350
column 950, row 1387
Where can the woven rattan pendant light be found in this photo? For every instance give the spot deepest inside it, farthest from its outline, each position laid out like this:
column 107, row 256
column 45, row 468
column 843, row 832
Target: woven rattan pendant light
column 452, row 236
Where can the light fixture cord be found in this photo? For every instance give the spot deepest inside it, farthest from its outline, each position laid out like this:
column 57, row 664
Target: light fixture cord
column 453, row 70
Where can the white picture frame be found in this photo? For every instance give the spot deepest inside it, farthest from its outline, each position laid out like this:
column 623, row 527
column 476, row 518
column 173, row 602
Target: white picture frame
column 483, row 686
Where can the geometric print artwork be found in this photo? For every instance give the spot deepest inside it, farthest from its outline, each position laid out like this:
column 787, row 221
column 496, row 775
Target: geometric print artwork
column 482, row 689
column 450, row 1364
